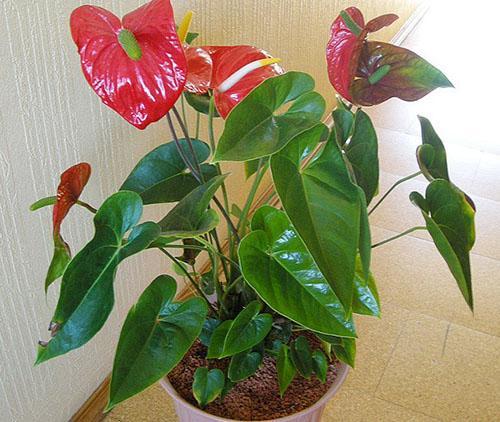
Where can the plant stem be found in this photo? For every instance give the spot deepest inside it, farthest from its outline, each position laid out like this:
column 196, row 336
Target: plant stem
column 394, row 186
column 413, row 229
column 230, row 287
column 191, row 279
column 261, row 171
column 183, row 107
column 197, row 133
column 88, row 206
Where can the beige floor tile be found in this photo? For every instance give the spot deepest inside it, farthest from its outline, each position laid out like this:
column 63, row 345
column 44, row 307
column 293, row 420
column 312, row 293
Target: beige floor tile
column 153, row 404
column 486, row 182
column 376, row 341
column 411, row 274
column 444, row 370
column 355, row 405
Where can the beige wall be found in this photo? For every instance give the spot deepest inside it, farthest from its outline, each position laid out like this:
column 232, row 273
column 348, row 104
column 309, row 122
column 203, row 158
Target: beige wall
column 49, row 120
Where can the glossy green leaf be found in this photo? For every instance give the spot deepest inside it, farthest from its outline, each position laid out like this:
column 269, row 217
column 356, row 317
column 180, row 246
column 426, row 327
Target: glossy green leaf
column 450, row 221
column 248, row 329
column 320, row 365
column 59, row 262
column 207, row 385
column 343, row 348
column 156, row 334
column 277, row 265
column 86, row 296
column 208, row 329
column 216, row 345
column 432, row 161
column 190, row 217
column 251, row 167
column 162, row 176
column 285, row 368
column 324, row 207
column 343, row 120
column 244, row 365
column 301, row 355
column 362, row 153
column 366, row 300
column 365, row 237
column 258, row 127
column 200, row 102
column 406, row 75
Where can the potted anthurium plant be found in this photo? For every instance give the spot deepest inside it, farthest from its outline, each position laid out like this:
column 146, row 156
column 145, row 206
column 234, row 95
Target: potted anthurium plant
column 270, row 332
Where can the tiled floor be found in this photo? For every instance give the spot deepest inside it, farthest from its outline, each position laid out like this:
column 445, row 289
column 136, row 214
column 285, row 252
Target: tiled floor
column 428, row 358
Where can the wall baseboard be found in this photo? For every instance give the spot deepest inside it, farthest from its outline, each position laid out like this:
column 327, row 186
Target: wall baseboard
column 93, row 409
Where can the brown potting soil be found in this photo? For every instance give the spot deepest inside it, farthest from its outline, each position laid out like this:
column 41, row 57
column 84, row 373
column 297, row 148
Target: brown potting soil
column 255, row 399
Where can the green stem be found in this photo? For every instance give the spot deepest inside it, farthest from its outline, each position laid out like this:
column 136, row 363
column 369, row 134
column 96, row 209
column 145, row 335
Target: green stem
column 197, row 133
column 191, row 279
column 230, row 287
column 183, row 108
column 394, row 186
column 413, row 229
column 261, row 171
column 88, row 206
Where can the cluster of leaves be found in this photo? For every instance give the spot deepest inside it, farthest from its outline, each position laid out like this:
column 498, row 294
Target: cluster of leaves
column 303, row 267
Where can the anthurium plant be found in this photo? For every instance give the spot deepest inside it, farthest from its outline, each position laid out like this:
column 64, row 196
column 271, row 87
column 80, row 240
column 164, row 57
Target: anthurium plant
column 298, row 265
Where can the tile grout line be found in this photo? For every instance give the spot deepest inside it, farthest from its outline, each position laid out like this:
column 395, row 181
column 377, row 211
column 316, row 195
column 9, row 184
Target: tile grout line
column 409, row 408
column 445, row 339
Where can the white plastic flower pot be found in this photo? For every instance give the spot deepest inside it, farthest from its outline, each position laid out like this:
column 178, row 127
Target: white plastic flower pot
column 189, row 413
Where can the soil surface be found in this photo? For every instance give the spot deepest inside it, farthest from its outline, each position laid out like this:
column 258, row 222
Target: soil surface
column 257, row 398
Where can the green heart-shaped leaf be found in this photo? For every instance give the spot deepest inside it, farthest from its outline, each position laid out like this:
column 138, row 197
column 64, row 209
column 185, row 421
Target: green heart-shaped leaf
column 362, row 153
column 217, row 339
column 366, row 300
column 277, row 265
column 155, row 336
column 248, row 329
column 320, row 365
column 431, row 155
column 450, row 221
column 386, row 71
column 301, row 355
column 324, row 207
column 207, row 385
column 161, row 176
column 244, row 365
column 343, row 120
column 59, row 262
column 190, row 216
column 343, row 348
column 86, row 297
column 257, row 127
column 285, row 368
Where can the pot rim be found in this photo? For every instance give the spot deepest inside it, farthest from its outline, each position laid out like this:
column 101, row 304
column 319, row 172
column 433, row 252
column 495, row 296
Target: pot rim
column 343, row 370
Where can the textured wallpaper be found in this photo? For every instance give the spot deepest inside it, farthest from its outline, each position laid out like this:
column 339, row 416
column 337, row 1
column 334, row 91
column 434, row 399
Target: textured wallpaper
column 49, row 120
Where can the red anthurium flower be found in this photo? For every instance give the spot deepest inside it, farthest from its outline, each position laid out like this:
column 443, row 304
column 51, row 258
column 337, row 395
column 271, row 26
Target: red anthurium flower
column 231, row 72
column 73, row 180
column 137, row 66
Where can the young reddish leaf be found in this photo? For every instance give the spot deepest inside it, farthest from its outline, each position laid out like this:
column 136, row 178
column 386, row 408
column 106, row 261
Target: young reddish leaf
column 342, row 51
column 137, row 66
column 380, row 22
column 209, row 67
column 73, row 180
column 387, row 71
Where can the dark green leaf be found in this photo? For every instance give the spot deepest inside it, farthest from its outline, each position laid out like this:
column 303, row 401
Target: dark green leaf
column 209, row 327
column 365, row 237
column 343, row 348
column 86, row 297
column 200, row 102
column 228, row 386
column 450, row 221
column 324, row 207
column 244, row 365
column 155, row 336
column 276, row 263
column 248, row 329
column 343, row 120
column 302, row 356
column 362, row 153
column 208, row 283
column 286, row 368
column 409, row 77
column 432, row 161
column 190, row 216
column 257, row 127
column 191, row 36
column 251, row 167
column 60, row 261
column 161, row 176
column 320, row 365
column 207, row 385
column 217, row 339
